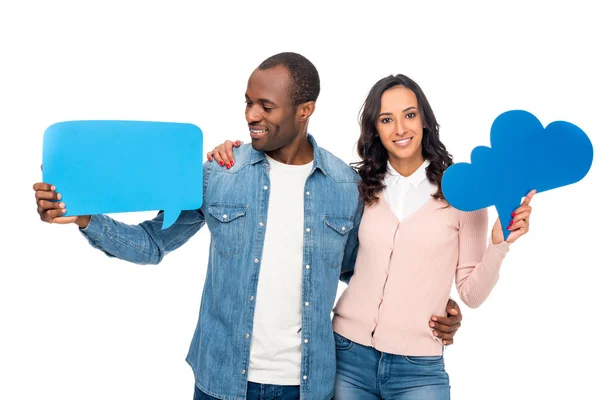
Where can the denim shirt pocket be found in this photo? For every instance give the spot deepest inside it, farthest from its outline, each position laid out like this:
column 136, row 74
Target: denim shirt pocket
column 335, row 235
column 228, row 231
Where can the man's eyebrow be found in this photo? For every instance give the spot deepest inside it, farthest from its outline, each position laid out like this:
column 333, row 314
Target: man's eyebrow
column 271, row 102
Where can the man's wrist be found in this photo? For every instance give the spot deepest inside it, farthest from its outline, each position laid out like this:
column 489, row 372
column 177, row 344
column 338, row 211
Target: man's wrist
column 83, row 221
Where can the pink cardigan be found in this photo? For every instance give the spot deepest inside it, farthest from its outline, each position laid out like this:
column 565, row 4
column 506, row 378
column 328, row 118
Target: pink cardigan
column 404, row 273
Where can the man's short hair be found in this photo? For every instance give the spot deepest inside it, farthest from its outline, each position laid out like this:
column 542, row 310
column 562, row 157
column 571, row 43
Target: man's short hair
column 305, row 78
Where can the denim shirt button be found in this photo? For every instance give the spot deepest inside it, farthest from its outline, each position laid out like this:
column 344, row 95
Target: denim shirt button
column 243, row 372
column 307, row 266
column 305, row 377
column 256, row 261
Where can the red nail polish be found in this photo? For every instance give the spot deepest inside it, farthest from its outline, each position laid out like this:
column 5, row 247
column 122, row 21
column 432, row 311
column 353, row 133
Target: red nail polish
column 513, row 215
column 237, row 142
column 228, row 166
column 221, row 163
column 232, row 163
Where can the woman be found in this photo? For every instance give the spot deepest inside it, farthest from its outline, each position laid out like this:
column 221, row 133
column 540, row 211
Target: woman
column 412, row 245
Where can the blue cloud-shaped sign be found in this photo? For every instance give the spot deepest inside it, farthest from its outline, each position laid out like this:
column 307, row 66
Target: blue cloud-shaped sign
column 523, row 156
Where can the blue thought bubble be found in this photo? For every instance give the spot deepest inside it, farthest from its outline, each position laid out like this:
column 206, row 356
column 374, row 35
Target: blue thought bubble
column 102, row 167
column 523, row 156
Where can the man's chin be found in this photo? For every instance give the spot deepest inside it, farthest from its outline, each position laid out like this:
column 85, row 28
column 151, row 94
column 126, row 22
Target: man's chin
column 259, row 145
column 262, row 144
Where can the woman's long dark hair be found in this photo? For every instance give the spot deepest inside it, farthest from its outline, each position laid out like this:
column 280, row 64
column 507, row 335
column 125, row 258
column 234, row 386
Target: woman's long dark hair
column 373, row 165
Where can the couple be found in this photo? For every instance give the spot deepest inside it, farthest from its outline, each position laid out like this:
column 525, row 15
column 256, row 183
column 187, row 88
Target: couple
column 285, row 222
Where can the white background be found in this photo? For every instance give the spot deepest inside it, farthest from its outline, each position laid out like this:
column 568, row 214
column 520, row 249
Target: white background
column 75, row 324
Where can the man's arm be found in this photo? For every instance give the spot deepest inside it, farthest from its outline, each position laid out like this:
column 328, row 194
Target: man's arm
column 351, row 249
column 144, row 243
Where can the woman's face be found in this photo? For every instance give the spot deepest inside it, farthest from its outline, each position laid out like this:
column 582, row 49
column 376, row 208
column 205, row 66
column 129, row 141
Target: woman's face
column 400, row 126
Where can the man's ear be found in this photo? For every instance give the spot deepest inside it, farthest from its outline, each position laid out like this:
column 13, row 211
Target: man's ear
column 305, row 110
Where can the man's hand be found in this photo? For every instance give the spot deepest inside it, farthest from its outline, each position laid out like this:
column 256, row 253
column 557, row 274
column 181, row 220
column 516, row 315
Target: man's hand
column 51, row 209
column 445, row 327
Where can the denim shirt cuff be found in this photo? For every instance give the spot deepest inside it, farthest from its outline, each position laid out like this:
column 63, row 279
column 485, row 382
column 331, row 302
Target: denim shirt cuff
column 95, row 227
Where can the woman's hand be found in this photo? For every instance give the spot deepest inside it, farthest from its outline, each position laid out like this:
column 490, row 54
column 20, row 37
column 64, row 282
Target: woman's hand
column 223, row 153
column 518, row 226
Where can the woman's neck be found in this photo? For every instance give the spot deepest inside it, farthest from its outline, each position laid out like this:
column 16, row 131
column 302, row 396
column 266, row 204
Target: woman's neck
column 407, row 167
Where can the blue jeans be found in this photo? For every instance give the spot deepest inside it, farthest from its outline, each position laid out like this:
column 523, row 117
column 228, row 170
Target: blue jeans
column 364, row 373
column 258, row 391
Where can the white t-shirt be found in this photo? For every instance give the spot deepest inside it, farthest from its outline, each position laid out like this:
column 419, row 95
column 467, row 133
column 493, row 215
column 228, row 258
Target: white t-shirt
column 275, row 351
column 405, row 195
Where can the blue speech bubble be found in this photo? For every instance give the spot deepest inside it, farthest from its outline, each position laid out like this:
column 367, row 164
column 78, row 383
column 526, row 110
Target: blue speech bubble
column 523, row 156
column 102, row 167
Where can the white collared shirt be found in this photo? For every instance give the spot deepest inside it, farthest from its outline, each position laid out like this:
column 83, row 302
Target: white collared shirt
column 405, row 195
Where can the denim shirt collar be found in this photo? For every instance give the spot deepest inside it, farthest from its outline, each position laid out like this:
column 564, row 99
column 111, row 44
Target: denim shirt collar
column 318, row 162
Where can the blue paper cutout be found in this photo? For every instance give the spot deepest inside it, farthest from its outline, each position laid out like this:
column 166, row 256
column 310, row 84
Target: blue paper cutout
column 102, row 167
column 523, row 156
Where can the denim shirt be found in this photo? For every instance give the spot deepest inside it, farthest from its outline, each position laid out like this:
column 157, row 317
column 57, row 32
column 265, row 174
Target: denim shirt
column 235, row 208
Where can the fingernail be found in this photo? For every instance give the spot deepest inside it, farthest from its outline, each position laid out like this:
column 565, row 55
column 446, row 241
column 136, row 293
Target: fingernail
column 232, row 163
column 62, row 205
column 512, row 215
column 228, row 166
column 435, row 333
column 64, row 210
column 58, row 196
column 221, row 163
column 434, row 318
column 445, row 342
column 237, row 142
column 431, row 324
column 53, row 188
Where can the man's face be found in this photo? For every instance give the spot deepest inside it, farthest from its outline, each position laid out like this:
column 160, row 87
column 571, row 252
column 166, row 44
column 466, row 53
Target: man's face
column 270, row 113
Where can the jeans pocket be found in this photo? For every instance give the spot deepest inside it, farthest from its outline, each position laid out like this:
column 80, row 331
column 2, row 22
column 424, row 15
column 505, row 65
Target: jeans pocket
column 227, row 227
column 335, row 235
column 425, row 360
column 341, row 343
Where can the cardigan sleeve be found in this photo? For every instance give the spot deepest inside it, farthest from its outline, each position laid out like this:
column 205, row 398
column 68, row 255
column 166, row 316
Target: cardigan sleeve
column 479, row 260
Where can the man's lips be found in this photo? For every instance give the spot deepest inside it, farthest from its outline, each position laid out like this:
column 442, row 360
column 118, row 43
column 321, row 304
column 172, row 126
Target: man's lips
column 256, row 131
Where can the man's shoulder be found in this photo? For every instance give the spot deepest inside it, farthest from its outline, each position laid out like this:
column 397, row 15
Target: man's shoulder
column 242, row 156
column 338, row 169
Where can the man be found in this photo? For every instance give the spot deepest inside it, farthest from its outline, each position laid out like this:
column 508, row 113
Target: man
column 283, row 222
